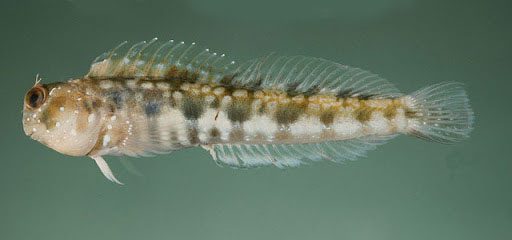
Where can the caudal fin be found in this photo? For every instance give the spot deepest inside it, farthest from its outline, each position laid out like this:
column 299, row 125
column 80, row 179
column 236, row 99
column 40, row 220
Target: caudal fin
column 443, row 113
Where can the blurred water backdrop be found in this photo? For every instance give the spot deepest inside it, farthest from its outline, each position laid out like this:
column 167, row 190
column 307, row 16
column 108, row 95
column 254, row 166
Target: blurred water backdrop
column 407, row 189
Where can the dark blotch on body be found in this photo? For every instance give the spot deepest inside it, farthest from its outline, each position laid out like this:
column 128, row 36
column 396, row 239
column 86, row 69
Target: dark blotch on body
column 390, row 112
column 327, row 117
column 88, row 106
column 214, row 133
column 288, row 114
column 116, row 98
column 193, row 136
column 192, row 107
column 239, row 111
column 363, row 114
column 152, row 109
column 215, row 103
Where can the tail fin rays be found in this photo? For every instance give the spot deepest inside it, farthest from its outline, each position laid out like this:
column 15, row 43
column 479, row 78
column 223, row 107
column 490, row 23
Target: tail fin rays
column 443, row 112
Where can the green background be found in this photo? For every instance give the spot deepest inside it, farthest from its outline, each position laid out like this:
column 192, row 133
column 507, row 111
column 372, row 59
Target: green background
column 407, row 189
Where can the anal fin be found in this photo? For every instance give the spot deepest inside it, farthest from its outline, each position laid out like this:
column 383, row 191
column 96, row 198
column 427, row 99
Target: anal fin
column 293, row 155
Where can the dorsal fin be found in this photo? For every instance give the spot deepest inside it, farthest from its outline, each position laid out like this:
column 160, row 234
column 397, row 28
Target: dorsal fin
column 295, row 74
column 160, row 60
column 300, row 74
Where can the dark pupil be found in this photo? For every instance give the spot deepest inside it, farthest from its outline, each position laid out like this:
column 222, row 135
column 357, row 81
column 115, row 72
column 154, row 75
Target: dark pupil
column 34, row 98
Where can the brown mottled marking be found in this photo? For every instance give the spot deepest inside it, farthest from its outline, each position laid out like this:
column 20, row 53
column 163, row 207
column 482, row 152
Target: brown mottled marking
column 409, row 113
column 283, row 136
column 390, row 111
column 214, row 133
column 239, row 110
column 193, row 136
column 288, row 113
column 88, row 106
column 48, row 117
column 175, row 73
column 236, row 135
column 215, row 103
column 327, row 117
column 363, row 113
column 192, row 107
column 96, row 103
column 172, row 73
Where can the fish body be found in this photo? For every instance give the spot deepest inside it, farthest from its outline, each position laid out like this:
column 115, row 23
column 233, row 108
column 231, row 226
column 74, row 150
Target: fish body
column 154, row 98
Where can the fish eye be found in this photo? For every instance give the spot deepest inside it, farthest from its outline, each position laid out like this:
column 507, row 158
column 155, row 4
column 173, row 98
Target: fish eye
column 35, row 97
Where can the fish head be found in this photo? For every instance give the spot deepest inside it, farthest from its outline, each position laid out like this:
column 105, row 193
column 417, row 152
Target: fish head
column 60, row 116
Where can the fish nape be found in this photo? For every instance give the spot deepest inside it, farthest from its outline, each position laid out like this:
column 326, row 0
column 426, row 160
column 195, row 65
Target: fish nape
column 156, row 97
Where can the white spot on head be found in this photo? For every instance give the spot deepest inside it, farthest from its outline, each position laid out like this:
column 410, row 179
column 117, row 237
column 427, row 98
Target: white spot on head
column 61, row 109
column 57, row 124
column 109, row 126
column 34, row 130
column 106, row 140
column 113, row 118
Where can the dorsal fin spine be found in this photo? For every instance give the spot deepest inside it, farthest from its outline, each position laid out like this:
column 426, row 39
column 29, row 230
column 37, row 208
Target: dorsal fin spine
column 168, row 56
column 184, row 52
column 127, row 57
column 141, row 52
column 156, row 54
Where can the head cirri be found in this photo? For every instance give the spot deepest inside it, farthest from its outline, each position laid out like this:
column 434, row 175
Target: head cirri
column 62, row 117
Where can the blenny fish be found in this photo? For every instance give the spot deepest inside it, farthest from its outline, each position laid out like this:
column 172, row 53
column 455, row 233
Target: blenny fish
column 156, row 97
